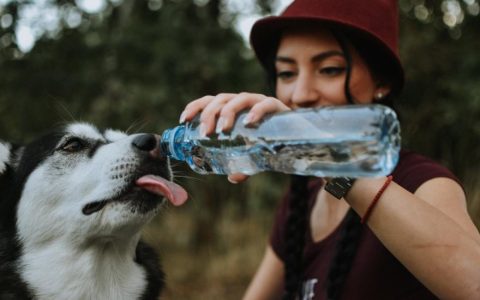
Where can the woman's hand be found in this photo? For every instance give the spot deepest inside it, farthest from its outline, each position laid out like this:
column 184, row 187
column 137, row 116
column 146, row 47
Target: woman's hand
column 218, row 113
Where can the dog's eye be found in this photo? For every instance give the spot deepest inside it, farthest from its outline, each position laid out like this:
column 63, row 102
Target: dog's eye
column 73, row 145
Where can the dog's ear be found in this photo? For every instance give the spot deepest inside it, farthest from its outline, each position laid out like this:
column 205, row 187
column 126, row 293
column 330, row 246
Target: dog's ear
column 5, row 156
column 9, row 155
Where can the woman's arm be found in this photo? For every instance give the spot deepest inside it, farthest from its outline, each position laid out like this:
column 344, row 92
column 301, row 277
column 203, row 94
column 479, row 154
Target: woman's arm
column 429, row 232
column 267, row 284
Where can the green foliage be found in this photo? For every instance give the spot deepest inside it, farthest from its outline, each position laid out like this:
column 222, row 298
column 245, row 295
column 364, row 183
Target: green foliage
column 440, row 105
column 132, row 66
column 135, row 64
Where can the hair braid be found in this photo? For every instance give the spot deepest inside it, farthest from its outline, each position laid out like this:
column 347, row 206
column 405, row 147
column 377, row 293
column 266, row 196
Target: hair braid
column 345, row 252
column 295, row 232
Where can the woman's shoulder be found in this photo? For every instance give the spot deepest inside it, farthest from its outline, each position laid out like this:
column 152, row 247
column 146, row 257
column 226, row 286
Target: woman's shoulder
column 414, row 169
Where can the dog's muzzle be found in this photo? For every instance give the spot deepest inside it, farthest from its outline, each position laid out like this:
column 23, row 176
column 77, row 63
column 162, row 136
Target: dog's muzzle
column 156, row 184
column 147, row 178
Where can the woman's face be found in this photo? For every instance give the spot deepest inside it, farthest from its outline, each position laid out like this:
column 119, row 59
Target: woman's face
column 311, row 71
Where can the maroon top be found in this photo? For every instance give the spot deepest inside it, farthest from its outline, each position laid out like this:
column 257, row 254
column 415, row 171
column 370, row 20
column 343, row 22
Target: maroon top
column 375, row 273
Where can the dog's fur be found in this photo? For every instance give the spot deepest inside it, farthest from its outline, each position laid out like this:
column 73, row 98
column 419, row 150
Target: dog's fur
column 71, row 215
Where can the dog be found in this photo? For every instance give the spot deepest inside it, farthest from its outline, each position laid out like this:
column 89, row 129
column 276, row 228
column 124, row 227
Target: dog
column 72, row 206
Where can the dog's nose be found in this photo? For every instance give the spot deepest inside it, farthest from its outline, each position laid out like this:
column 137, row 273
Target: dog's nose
column 145, row 142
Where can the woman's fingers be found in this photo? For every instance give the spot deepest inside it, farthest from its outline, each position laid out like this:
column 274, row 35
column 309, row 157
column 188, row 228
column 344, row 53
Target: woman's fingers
column 218, row 113
column 240, row 102
column 194, row 107
column 209, row 114
column 258, row 105
column 267, row 106
column 208, row 107
column 237, row 178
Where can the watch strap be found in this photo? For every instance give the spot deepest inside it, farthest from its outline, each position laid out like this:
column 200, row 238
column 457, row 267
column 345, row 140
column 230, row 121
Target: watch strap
column 339, row 186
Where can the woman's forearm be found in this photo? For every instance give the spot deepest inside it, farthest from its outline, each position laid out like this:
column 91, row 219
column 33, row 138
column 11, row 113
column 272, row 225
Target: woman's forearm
column 429, row 232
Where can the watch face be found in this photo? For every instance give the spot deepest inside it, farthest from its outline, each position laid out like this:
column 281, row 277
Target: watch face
column 339, row 186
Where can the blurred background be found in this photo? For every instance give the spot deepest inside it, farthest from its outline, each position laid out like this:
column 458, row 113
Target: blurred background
column 133, row 65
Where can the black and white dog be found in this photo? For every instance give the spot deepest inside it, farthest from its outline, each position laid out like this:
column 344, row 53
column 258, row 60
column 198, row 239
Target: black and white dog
column 72, row 205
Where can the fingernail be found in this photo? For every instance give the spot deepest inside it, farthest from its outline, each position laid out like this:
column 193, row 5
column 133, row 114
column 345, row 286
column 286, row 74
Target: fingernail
column 248, row 118
column 232, row 181
column 220, row 125
column 203, row 130
column 182, row 117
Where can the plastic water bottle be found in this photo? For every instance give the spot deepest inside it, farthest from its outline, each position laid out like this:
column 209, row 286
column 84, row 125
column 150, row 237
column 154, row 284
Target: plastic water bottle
column 351, row 141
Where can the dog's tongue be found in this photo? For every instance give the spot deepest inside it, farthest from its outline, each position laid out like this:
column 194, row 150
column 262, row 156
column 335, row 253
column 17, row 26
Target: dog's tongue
column 162, row 187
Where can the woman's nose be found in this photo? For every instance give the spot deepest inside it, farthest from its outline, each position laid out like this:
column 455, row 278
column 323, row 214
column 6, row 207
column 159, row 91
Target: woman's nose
column 305, row 93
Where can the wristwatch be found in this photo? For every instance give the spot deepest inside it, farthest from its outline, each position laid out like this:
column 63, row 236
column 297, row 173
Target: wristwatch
column 339, row 186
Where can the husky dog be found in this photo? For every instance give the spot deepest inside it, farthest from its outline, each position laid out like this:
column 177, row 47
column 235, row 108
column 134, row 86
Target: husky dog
column 72, row 206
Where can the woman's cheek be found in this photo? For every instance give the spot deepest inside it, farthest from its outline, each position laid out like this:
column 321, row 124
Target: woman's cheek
column 362, row 93
column 334, row 94
column 283, row 93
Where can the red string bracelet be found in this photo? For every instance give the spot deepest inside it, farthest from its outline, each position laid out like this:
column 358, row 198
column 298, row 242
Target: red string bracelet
column 375, row 199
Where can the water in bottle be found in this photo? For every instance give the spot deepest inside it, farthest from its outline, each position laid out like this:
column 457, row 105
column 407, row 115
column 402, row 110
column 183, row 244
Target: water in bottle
column 351, row 141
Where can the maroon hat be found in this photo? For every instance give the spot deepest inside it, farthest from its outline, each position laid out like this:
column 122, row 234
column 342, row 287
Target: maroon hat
column 377, row 19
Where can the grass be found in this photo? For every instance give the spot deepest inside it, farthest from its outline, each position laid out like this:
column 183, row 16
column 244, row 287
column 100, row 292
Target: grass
column 220, row 268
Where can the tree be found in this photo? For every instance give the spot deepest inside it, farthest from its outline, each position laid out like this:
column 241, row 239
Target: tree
column 441, row 102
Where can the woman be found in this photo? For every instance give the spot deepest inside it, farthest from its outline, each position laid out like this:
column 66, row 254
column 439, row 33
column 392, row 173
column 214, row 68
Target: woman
column 410, row 238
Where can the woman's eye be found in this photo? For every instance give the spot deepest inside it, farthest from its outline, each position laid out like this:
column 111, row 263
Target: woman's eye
column 331, row 71
column 285, row 74
column 73, row 145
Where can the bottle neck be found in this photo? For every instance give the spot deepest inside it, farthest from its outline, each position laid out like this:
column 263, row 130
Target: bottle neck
column 172, row 142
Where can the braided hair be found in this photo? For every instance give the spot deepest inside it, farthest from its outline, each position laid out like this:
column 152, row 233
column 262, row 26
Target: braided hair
column 345, row 252
column 295, row 235
column 295, row 232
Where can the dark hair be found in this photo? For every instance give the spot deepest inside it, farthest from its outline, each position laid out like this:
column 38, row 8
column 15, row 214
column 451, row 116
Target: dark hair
column 345, row 252
column 295, row 231
column 373, row 55
column 298, row 216
column 295, row 236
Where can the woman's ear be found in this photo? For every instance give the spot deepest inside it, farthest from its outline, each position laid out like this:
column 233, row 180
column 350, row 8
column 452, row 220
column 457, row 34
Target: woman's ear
column 381, row 92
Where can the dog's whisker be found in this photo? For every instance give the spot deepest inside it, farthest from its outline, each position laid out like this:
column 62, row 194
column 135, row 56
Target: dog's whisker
column 136, row 126
column 63, row 107
column 176, row 164
column 180, row 173
column 189, row 178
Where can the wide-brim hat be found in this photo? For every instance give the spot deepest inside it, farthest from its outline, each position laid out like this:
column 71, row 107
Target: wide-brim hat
column 377, row 19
